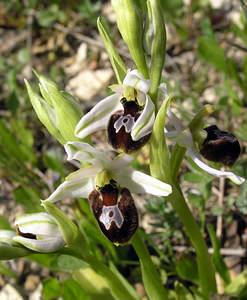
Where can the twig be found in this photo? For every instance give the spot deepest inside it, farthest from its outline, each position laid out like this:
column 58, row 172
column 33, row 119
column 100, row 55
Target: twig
column 13, row 42
column 240, row 47
column 219, row 225
column 239, row 252
column 30, row 39
column 86, row 39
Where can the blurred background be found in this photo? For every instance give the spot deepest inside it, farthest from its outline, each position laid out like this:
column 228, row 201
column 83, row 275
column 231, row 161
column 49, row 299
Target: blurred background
column 206, row 63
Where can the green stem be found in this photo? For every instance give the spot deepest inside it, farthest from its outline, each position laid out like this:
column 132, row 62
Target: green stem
column 205, row 266
column 165, row 171
column 118, row 290
column 151, row 278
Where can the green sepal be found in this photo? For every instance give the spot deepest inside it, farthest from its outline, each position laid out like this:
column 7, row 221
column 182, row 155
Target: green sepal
column 45, row 113
column 158, row 45
column 68, row 229
column 116, row 61
column 159, row 153
column 67, row 110
column 130, row 25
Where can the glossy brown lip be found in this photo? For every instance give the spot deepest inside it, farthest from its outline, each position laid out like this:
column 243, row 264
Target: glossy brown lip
column 122, row 139
column 220, row 146
column 126, row 206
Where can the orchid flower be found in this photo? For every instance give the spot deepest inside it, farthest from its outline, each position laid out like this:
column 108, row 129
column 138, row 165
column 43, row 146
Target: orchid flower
column 39, row 232
column 184, row 139
column 108, row 183
column 128, row 114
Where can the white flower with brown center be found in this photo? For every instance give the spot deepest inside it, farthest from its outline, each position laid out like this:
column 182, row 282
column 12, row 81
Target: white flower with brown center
column 107, row 181
column 127, row 115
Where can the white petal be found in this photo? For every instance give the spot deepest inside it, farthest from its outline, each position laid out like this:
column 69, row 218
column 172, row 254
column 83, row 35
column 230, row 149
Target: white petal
column 97, row 118
column 85, row 153
column 120, row 161
column 163, row 91
column 38, row 224
column 136, row 80
column 197, row 160
column 43, row 246
column 77, row 185
column 138, row 182
column 144, row 123
column 6, row 236
column 174, row 120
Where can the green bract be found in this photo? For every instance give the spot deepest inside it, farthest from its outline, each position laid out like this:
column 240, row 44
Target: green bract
column 57, row 110
column 130, row 25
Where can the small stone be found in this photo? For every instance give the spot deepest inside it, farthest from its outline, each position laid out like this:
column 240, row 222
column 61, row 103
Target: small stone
column 32, row 282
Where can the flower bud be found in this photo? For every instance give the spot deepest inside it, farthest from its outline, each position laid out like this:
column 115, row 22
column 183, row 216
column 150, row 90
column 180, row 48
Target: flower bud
column 38, row 232
column 57, row 110
column 115, row 211
column 130, row 25
column 120, row 126
column 220, row 146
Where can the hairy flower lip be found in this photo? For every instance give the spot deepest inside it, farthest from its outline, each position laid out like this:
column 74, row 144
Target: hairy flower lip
column 220, row 146
column 120, row 126
column 117, row 219
column 99, row 116
column 184, row 139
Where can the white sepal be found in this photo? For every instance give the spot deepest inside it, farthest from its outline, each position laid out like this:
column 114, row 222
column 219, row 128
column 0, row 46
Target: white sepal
column 136, row 80
column 138, row 182
column 97, row 118
column 6, row 236
column 85, row 153
column 144, row 123
column 46, row 245
column 77, row 185
column 195, row 156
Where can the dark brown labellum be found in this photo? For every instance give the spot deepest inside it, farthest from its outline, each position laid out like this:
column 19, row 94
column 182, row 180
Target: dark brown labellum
column 26, row 235
column 120, row 125
column 115, row 212
column 220, row 146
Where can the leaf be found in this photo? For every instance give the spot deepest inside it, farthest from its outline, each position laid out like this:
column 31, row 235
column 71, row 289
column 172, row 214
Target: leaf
column 151, row 278
column 159, row 155
column 182, row 292
column 186, row 268
column 72, row 290
column 218, row 261
column 68, row 263
column 127, row 285
column 29, row 198
column 51, row 289
column 4, row 223
column 209, row 50
column 116, row 61
column 238, row 287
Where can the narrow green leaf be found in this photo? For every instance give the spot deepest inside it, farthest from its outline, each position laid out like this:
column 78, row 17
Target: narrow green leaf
column 116, row 61
column 159, row 154
column 151, row 278
column 218, row 260
column 158, row 48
